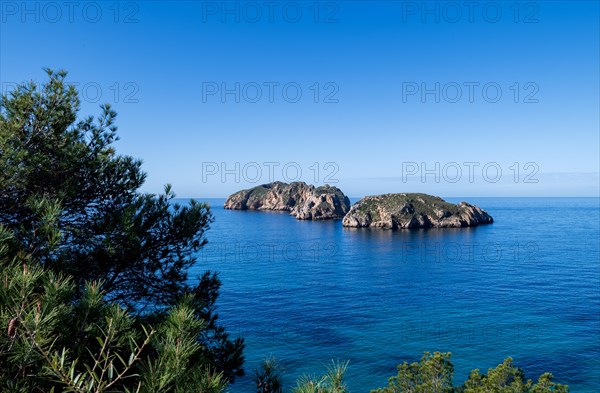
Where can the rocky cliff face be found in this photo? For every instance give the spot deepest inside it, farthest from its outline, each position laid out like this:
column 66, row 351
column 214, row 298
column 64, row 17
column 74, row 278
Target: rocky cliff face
column 396, row 211
column 303, row 201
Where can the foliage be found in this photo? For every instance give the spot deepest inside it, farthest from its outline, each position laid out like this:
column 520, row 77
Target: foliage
column 136, row 243
column 331, row 382
column 268, row 377
column 506, row 378
column 433, row 374
column 73, row 205
column 422, row 203
column 59, row 341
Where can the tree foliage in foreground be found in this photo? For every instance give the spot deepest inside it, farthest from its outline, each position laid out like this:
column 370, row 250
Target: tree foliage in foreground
column 332, row 382
column 268, row 377
column 61, row 340
column 434, row 373
column 72, row 205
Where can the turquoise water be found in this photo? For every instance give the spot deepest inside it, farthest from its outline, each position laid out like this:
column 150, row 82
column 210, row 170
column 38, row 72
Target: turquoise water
column 527, row 286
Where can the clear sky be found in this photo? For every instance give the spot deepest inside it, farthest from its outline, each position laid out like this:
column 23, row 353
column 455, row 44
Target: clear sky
column 379, row 96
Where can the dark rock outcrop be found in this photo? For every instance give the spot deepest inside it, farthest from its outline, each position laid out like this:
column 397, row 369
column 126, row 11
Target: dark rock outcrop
column 303, row 201
column 397, row 211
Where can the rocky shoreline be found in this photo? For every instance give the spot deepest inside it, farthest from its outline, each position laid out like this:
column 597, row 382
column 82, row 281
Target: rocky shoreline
column 303, row 201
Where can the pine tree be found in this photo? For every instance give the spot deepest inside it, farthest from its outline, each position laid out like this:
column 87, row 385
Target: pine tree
column 60, row 340
column 137, row 247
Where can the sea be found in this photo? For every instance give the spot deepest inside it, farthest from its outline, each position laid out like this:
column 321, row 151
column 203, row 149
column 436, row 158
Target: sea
column 312, row 292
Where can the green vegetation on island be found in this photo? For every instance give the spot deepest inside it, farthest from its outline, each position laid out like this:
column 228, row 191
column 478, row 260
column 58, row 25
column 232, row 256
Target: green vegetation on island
column 413, row 210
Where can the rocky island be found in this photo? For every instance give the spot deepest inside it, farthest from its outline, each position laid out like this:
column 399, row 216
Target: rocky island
column 303, row 201
column 397, row 211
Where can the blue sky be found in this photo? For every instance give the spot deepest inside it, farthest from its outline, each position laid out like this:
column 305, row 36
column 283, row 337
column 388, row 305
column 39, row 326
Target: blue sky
column 501, row 99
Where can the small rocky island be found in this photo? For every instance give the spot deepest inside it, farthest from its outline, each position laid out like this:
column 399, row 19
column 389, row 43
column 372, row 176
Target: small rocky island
column 303, row 201
column 398, row 211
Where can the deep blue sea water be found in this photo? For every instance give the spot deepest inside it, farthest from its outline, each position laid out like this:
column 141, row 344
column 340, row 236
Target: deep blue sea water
column 307, row 292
